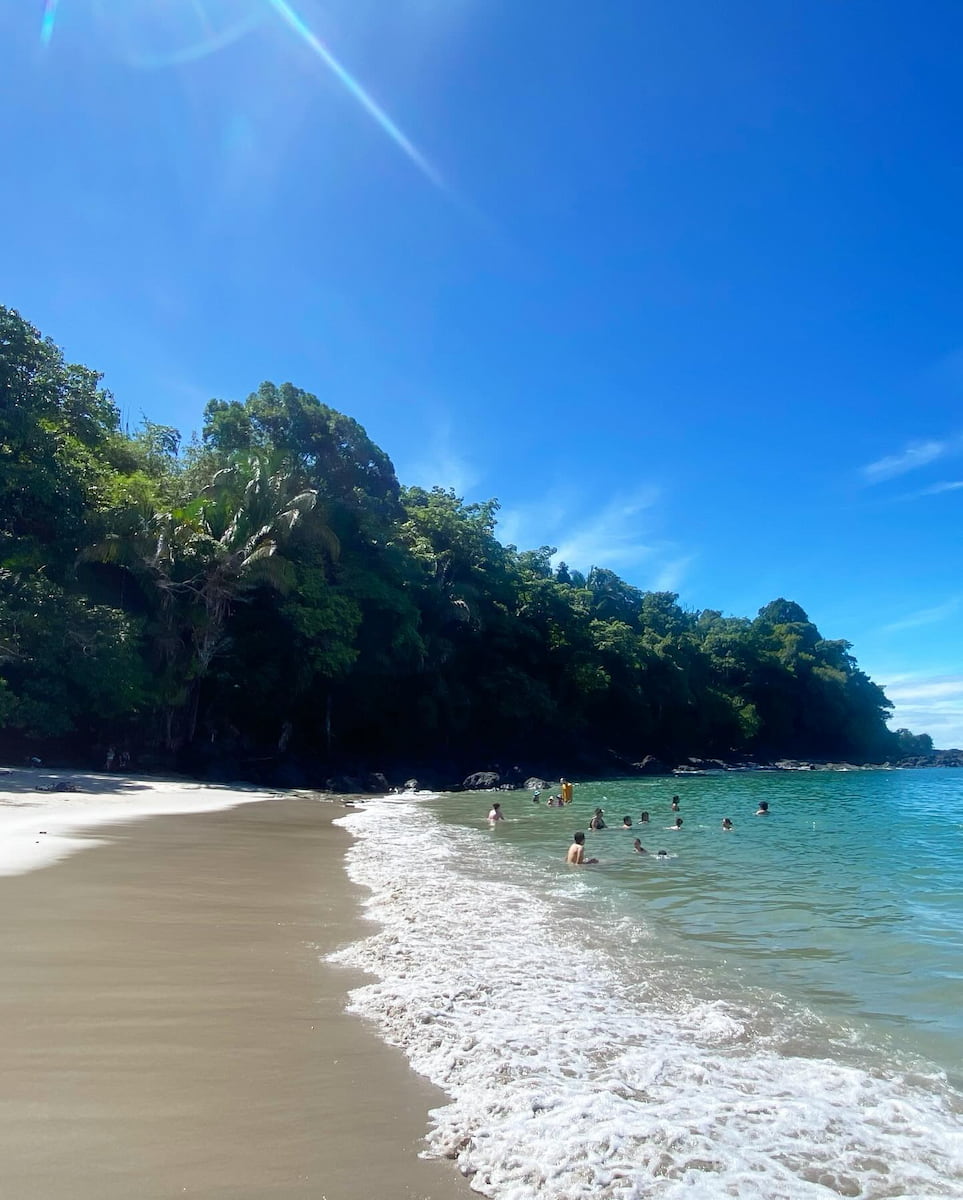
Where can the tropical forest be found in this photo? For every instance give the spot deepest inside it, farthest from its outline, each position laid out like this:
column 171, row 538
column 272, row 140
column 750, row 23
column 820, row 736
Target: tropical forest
column 268, row 601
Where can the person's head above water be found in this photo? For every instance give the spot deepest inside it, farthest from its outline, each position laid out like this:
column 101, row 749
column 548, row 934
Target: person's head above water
column 579, row 838
column 763, row 807
column 678, row 822
column 644, row 817
column 726, row 823
column 627, row 821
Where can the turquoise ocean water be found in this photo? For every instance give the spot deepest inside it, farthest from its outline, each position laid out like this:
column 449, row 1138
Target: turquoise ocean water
column 774, row 1011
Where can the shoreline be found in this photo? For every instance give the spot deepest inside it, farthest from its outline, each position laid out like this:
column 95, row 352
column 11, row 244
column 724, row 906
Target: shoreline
column 170, row 1027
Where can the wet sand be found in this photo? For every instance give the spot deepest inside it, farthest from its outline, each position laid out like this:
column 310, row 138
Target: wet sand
column 167, row 1027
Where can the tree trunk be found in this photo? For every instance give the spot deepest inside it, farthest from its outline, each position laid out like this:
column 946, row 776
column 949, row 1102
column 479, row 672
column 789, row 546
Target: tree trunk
column 195, row 705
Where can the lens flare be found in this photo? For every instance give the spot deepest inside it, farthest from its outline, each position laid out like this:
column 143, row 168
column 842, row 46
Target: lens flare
column 129, row 23
column 374, row 110
column 152, row 35
column 49, row 21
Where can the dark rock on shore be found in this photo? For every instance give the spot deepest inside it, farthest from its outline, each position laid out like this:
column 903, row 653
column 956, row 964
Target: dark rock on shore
column 650, row 765
column 352, row 784
column 369, row 783
column 534, row 784
column 938, row 758
column 481, row 781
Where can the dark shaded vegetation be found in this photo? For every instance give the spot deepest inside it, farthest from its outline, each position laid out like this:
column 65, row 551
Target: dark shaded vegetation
column 270, row 595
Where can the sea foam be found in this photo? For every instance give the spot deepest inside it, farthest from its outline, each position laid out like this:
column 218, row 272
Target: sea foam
column 589, row 1066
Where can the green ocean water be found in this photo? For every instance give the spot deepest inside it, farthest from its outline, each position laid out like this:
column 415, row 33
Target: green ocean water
column 847, row 898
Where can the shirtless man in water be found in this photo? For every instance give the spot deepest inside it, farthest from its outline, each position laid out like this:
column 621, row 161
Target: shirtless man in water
column 576, row 852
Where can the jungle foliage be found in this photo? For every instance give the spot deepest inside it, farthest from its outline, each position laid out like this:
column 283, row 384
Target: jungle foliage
column 272, row 590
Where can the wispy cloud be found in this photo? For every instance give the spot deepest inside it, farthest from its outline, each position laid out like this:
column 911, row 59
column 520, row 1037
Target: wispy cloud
column 949, row 485
column 914, row 456
column 441, row 464
column 532, row 524
column 618, row 535
column 924, row 616
column 671, row 574
column 928, row 704
column 613, row 536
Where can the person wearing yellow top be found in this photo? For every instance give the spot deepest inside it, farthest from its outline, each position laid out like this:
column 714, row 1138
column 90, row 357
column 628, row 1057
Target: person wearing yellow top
column 566, row 788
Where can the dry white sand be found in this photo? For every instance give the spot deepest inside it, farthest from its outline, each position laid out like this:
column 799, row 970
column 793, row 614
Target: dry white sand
column 167, row 1026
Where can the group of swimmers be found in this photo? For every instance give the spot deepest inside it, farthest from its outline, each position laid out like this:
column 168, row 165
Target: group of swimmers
column 576, row 852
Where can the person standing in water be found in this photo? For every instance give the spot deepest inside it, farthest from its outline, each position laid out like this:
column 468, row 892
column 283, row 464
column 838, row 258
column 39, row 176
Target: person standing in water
column 763, row 809
column 675, row 803
column 576, row 852
column 496, row 813
column 597, row 822
column 638, row 847
column 566, row 789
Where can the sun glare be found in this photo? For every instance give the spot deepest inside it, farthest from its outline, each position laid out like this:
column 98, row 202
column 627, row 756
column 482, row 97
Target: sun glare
column 164, row 34
column 348, row 81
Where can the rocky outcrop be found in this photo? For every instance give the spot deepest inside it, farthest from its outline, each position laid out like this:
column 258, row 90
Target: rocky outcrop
column 650, row 765
column 938, row 758
column 481, row 781
column 534, row 784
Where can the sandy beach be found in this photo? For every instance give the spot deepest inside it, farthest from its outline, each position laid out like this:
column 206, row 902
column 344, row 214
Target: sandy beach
column 167, row 1024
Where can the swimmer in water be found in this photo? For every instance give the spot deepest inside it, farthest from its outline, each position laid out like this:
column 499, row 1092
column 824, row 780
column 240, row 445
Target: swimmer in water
column 763, row 809
column 626, row 822
column 638, row 847
column 496, row 813
column 726, row 824
column 596, row 821
column 662, row 854
column 644, row 819
column 675, row 803
column 576, row 852
column 677, row 825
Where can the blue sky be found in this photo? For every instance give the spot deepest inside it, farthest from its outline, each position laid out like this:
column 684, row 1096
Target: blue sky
column 678, row 282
